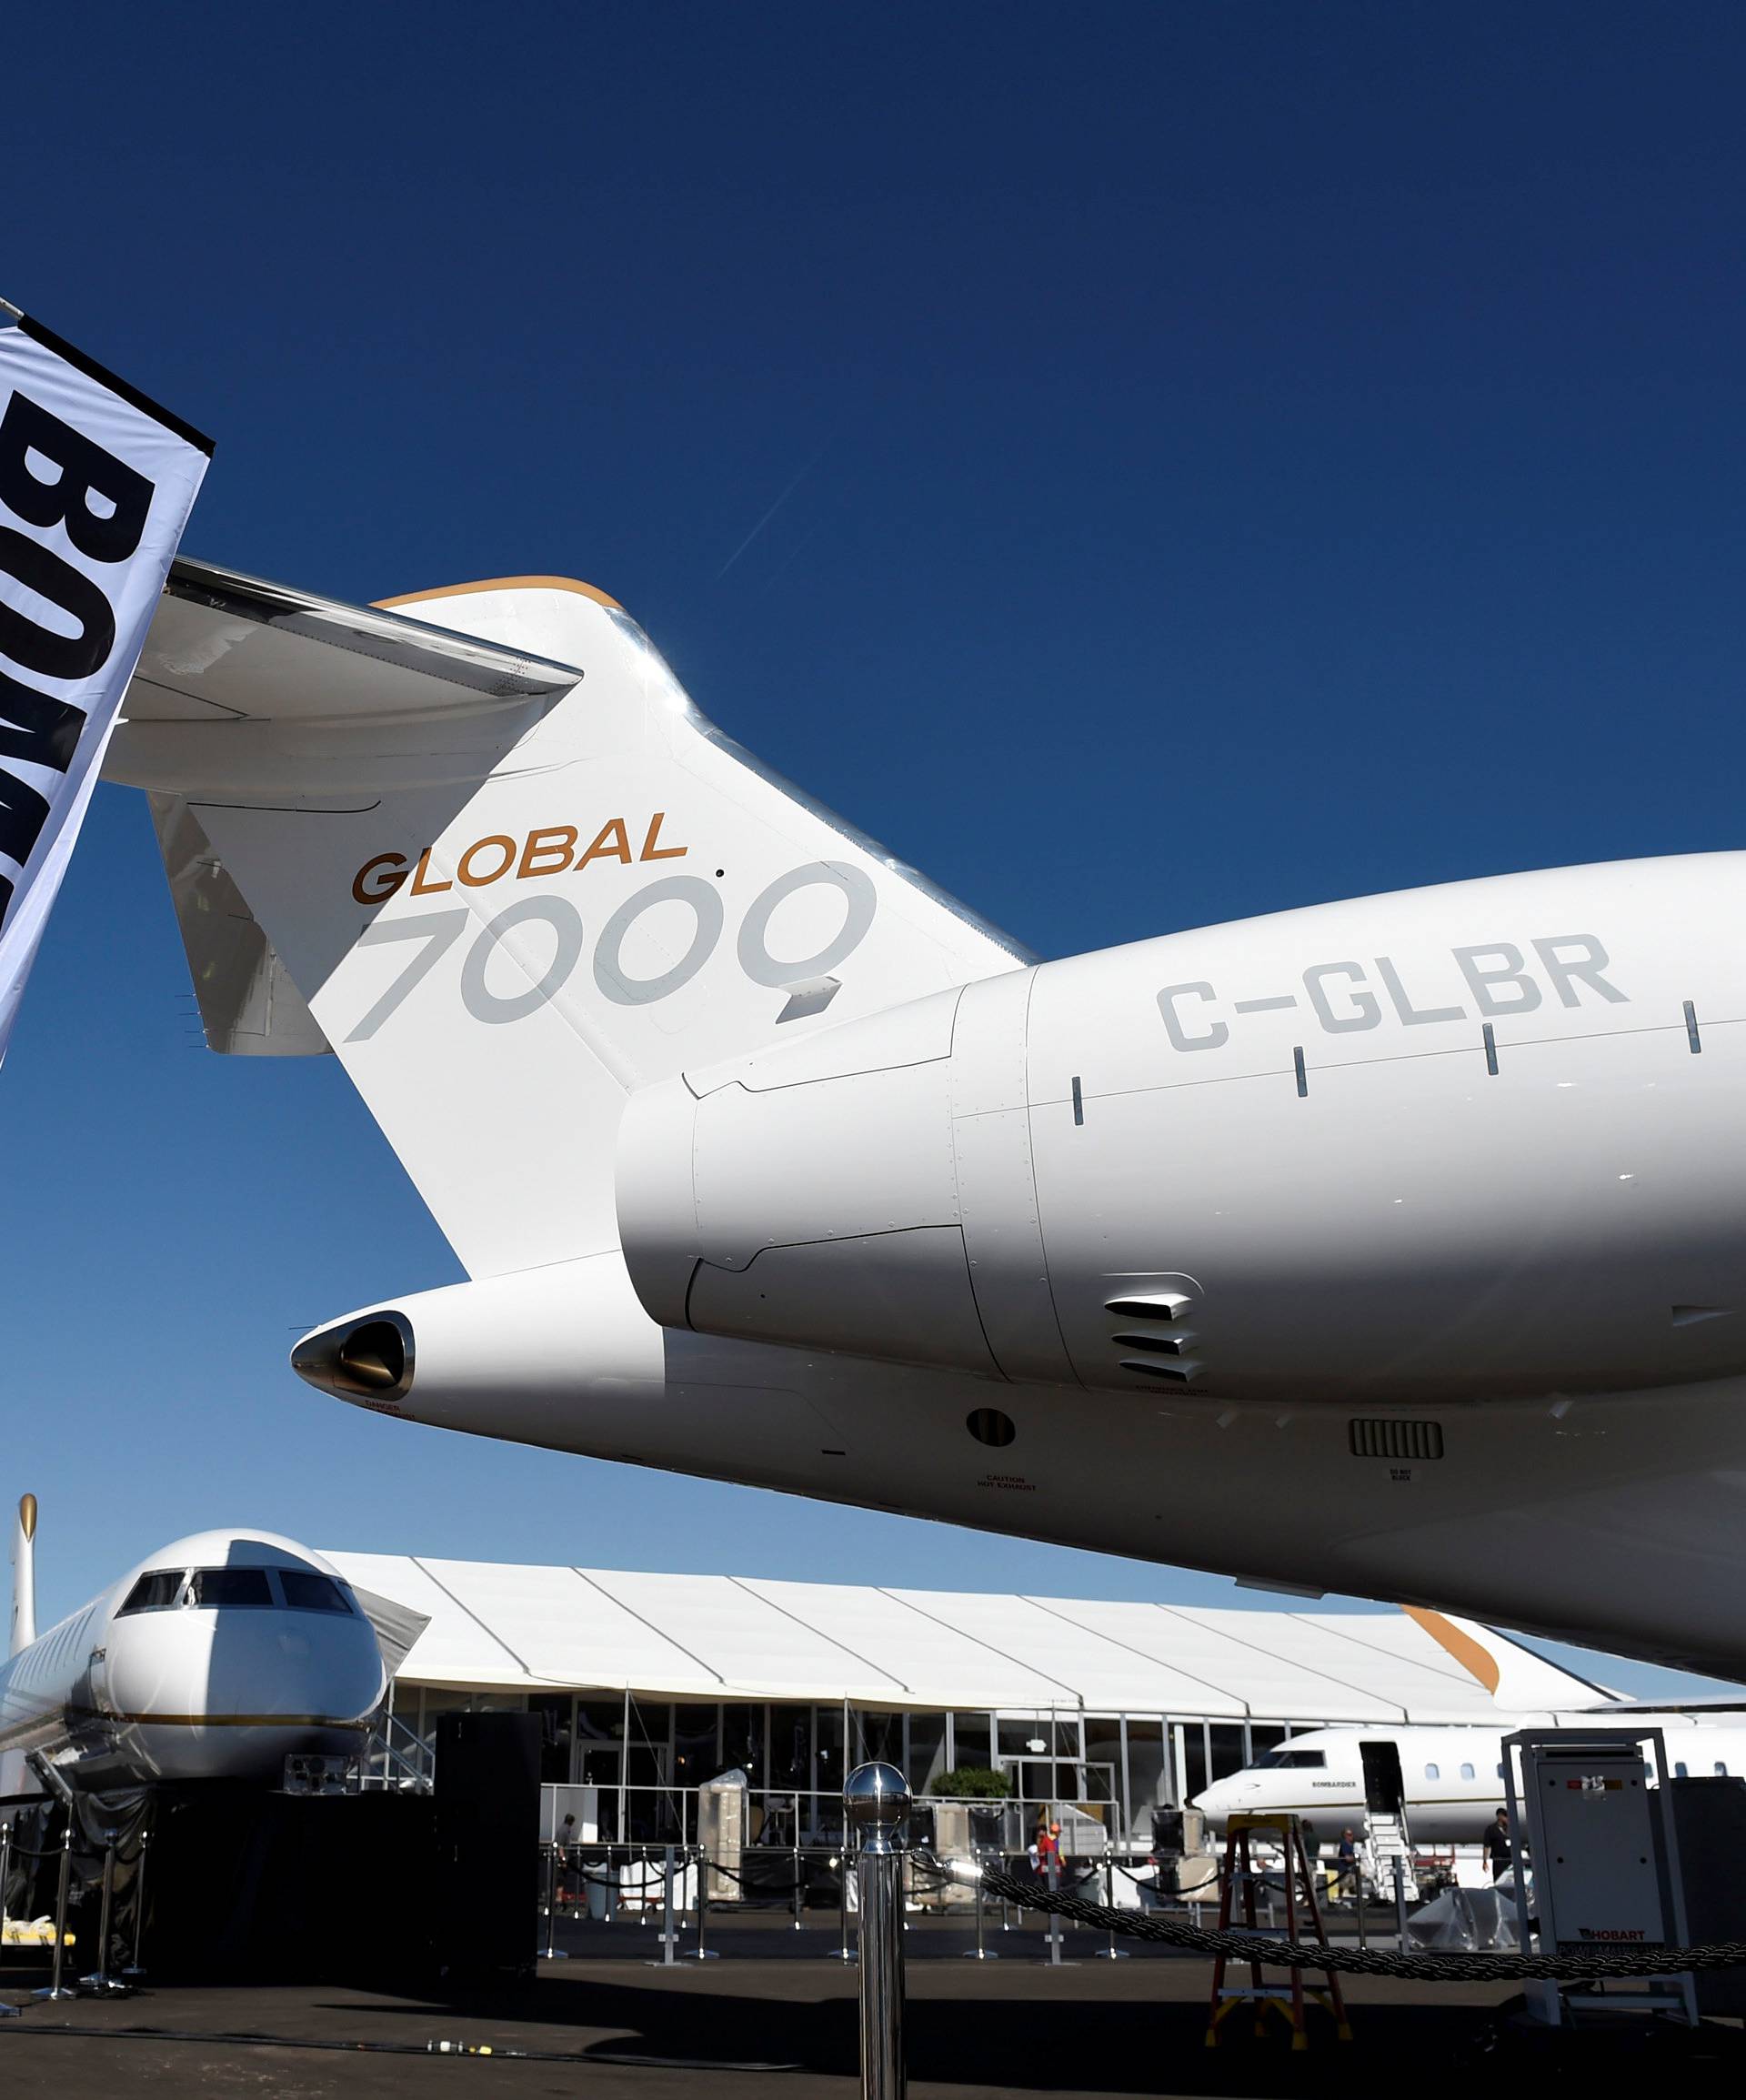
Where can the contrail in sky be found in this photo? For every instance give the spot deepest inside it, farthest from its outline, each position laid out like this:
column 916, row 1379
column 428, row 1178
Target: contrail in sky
column 771, row 512
column 782, row 567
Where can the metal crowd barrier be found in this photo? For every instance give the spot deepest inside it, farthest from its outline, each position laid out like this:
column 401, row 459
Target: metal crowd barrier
column 6, row 2012
column 640, row 1881
column 100, row 1982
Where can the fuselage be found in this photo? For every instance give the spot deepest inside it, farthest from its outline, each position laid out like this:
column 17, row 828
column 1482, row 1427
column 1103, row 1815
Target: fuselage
column 1391, row 1246
column 216, row 1657
column 1452, row 1780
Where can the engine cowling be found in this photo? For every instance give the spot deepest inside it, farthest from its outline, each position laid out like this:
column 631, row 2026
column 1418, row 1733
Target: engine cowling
column 500, row 1351
column 867, row 1190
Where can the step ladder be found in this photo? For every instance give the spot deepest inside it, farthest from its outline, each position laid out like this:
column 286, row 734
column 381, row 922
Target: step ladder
column 1240, row 1881
column 1389, row 1840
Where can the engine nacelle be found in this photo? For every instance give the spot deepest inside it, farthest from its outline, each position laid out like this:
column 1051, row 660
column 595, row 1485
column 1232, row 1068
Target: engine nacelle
column 868, row 1190
column 495, row 1352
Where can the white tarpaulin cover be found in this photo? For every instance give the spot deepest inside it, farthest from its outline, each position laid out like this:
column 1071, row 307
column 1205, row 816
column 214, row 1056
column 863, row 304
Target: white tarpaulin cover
column 95, row 487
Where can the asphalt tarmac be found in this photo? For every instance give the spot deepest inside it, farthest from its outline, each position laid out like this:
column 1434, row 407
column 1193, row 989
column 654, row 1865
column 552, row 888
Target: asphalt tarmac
column 777, row 2014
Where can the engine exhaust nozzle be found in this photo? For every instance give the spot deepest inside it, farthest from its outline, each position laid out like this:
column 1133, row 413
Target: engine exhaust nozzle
column 369, row 1359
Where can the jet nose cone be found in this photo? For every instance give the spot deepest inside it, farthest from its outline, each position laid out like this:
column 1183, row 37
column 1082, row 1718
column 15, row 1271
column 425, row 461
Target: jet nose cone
column 368, row 1360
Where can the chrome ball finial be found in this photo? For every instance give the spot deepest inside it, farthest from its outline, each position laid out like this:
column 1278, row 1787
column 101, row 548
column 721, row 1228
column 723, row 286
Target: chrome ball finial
column 876, row 1793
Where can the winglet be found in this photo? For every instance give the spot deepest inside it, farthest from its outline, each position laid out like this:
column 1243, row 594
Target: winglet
column 24, row 1577
column 1513, row 1674
column 1479, row 1662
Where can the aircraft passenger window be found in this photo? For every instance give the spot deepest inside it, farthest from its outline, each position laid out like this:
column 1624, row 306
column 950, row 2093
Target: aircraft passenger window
column 234, row 1588
column 1467, row 1772
column 1680, row 1772
column 1433, row 1772
column 1720, row 1771
column 305, row 1591
column 154, row 1592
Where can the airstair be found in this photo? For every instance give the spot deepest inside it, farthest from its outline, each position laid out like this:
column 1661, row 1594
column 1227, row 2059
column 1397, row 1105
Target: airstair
column 398, row 1760
column 1386, row 1836
column 1387, row 1840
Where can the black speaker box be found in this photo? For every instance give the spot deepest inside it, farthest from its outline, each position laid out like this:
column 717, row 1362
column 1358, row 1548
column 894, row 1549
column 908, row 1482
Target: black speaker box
column 487, row 1842
column 243, row 1885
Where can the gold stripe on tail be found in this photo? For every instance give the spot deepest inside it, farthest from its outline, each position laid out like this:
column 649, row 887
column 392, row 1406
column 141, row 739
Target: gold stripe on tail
column 1479, row 1662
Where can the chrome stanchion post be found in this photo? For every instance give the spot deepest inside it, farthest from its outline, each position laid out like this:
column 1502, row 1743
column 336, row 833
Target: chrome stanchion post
column 1112, row 1952
column 845, row 1953
column 702, row 1953
column 57, row 1989
column 6, row 2012
column 136, row 1969
column 669, row 1927
column 797, row 1864
column 553, row 1953
column 875, row 1807
column 980, row 1951
column 1054, row 1916
column 1400, row 1903
column 100, row 1983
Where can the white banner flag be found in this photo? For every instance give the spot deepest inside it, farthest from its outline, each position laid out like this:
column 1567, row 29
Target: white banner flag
column 96, row 487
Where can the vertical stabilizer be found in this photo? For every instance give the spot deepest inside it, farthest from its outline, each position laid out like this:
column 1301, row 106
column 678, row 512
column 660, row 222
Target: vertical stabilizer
column 508, row 891
column 1519, row 1680
column 24, row 1577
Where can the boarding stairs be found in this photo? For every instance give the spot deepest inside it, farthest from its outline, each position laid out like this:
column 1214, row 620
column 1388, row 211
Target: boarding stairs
column 398, row 1760
column 1387, row 1840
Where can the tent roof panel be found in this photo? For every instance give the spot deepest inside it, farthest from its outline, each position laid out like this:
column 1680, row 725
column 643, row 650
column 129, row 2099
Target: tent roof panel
column 506, row 1626
column 455, row 1648
column 1229, row 1671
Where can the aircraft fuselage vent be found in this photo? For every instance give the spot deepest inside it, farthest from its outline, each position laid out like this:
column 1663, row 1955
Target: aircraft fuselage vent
column 1377, row 1437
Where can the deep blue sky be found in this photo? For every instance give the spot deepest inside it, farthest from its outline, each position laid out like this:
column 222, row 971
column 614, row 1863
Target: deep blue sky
column 1248, row 455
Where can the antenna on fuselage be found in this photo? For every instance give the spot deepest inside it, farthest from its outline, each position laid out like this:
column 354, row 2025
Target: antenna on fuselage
column 23, row 1576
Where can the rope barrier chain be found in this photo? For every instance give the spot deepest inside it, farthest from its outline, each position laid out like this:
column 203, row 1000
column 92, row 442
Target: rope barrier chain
column 1366, row 1962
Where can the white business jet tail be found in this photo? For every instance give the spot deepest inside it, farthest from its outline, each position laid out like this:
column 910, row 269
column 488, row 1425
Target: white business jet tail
column 1519, row 1680
column 481, row 845
column 24, row 1577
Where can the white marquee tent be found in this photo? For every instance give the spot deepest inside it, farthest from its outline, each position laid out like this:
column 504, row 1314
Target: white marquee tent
column 500, row 1627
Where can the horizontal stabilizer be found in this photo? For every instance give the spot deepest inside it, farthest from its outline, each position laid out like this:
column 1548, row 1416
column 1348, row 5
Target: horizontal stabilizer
column 222, row 644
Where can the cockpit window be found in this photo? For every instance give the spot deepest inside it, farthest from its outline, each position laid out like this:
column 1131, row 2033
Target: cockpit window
column 305, row 1591
column 1293, row 1761
column 154, row 1592
column 233, row 1589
